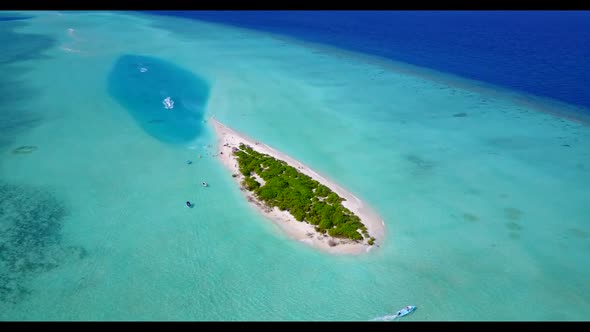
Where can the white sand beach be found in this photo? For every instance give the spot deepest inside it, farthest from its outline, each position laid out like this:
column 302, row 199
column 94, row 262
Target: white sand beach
column 301, row 231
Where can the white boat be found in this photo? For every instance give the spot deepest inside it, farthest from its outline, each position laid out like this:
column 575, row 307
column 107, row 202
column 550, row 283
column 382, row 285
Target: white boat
column 168, row 103
column 405, row 311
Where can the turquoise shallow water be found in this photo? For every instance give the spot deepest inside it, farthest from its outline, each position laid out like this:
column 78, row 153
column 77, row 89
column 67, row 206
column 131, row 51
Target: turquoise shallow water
column 484, row 196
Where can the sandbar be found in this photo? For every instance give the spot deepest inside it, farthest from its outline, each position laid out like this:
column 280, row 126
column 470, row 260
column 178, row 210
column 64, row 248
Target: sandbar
column 228, row 138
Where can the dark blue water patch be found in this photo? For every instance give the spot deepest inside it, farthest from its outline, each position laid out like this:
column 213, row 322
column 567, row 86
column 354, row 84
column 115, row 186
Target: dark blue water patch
column 14, row 17
column 544, row 53
column 15, row 91
column 141, row 84
column 17, row 47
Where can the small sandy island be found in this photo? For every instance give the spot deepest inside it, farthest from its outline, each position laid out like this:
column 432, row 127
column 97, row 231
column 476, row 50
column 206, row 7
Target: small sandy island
column 227, row 139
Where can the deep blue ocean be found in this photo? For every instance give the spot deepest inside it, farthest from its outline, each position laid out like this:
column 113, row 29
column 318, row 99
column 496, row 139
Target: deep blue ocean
column 545, row 53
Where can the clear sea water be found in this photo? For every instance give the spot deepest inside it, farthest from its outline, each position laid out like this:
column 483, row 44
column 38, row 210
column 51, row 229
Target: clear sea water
column 483, row 188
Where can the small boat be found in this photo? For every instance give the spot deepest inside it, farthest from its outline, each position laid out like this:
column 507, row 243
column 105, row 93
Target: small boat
column 204, row 184
column 405, row 311
column 168, row 103
column 188, row 162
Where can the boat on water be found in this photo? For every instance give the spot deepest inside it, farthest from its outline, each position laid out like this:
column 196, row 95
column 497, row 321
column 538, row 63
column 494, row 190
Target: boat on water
column 405, row 311
column 168, row 103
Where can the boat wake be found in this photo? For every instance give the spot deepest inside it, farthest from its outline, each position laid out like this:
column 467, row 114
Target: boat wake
column 71, row 50
column 386, row 318
column 403, row 312
column 72, row 35
column 168, row 103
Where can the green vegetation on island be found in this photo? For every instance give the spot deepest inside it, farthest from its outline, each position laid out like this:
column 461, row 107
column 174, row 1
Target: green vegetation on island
column 305, row 198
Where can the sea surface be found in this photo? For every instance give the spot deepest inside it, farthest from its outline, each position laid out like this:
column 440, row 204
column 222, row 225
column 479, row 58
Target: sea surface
column 545, row 53
column 467, row 132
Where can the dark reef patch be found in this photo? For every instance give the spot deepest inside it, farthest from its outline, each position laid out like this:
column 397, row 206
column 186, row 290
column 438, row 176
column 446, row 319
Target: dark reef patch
column 514, row 235
column 31, row 221
column 141, row 84
column 25, row 149
column 470, row 217
column 513, row 213
column 420, row 163
column 513, row 226
column 460, row 115
column 578, row 233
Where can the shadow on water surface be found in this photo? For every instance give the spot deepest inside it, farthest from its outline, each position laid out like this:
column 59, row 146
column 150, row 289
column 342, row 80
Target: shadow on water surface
column 141, row 85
